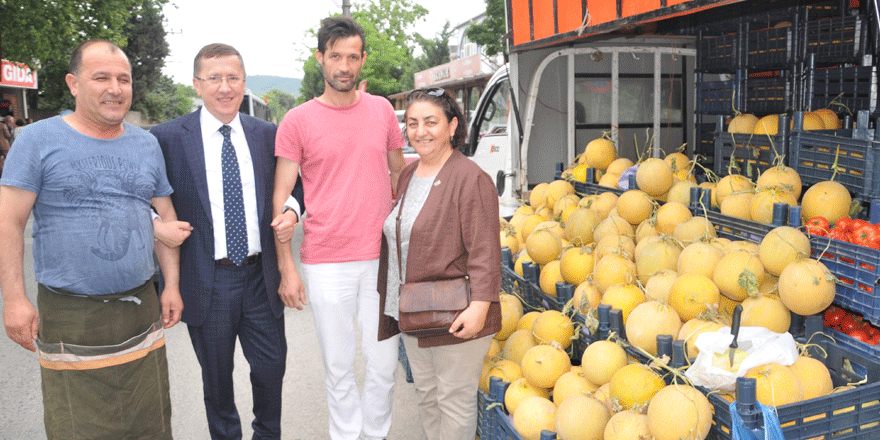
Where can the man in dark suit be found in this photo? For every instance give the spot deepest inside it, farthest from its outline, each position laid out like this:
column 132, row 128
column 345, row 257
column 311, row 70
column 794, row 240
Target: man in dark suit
column 221, row 164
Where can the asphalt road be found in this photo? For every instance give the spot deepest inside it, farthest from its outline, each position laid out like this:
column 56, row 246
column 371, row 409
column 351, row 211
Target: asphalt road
column 304, row 412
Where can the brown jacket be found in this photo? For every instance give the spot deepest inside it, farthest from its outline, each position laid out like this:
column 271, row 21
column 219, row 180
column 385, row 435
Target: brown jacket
column 455, row 233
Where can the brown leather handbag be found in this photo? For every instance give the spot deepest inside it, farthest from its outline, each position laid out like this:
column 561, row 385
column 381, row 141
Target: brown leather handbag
column 428, row 308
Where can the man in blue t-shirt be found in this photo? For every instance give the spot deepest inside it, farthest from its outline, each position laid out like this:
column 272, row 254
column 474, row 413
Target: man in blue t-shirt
column 89, row 179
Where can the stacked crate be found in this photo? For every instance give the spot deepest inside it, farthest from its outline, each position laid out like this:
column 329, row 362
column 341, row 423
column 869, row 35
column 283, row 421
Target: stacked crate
column 717, row 82
column 769, row 85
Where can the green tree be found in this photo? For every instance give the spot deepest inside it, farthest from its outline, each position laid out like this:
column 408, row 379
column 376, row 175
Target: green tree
column 435, row 51
column 388, row 28
column 38, row 32
column 146, row 49
column 279, row 103
column 387, row 25
column 312, row 84
column 43, row 33
column 490, row 33
column 167, row 100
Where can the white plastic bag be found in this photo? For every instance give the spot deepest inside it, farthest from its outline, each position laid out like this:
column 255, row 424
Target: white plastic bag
column 761, row 346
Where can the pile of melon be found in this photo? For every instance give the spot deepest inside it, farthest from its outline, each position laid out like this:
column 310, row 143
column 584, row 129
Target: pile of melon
column 671, row 178
column 746, row 123
column 609, row 395
column 605, row 397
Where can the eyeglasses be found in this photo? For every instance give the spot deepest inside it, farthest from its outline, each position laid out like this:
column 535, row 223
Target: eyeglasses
column 216, row 80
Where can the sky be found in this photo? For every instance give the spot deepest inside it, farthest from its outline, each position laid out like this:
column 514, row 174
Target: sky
column 270, row 34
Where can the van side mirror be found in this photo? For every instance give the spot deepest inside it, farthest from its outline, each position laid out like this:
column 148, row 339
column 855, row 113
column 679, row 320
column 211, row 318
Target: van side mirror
column 499, row 182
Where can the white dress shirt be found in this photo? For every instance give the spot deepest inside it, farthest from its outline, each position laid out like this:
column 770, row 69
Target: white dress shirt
column 212, row 140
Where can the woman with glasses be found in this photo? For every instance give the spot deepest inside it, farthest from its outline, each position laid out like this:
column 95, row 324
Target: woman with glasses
column 448, row 228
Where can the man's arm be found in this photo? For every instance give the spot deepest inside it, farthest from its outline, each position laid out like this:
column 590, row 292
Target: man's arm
column 291, row 290
column 395, row 164
column 292, row 211
column 169, row 262
column 19, row 315
column 171, row 234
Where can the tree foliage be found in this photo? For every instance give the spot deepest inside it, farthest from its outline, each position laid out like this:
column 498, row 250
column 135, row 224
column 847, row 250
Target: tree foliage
column 491, row 31
column 38, row 32
column 388, row 29
column 146, row 49
column 42, row 33
column 435, row 51
column 279, row 103
column 167, row 100
column 312, row 84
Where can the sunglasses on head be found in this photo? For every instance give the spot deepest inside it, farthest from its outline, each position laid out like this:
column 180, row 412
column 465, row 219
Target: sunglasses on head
column 437, row 92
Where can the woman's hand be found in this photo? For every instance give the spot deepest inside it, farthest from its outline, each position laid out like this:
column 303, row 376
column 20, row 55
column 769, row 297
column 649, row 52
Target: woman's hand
column 471, row 320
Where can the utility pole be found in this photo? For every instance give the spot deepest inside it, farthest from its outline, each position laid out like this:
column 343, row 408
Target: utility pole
column 346, row 8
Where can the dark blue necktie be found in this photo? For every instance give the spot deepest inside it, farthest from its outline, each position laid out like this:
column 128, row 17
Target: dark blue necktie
column 233, row 202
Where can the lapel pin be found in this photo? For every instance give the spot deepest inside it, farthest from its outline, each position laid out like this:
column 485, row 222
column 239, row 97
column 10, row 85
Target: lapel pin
column 436, row 183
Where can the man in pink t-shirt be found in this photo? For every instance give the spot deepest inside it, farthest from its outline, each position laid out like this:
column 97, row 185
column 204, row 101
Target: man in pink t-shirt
column 345, row 142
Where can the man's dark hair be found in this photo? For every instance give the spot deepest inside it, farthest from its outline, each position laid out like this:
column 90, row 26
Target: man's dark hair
column 215, row 50
column 334, row 28
column 77, row 55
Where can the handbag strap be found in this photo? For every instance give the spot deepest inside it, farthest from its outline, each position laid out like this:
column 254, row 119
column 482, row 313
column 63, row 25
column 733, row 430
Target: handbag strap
column 399, row 214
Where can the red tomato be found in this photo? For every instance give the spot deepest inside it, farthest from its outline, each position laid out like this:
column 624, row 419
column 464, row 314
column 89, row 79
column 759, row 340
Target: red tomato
column 850, row 324
column 861, row 335
column 874, row 339
column 843, row 224
column 833, row 317
column 838, row 234
column 863, row 234
column 818, row 226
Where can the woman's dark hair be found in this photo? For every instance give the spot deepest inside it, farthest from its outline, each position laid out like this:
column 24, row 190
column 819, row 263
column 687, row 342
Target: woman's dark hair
column 443, row 99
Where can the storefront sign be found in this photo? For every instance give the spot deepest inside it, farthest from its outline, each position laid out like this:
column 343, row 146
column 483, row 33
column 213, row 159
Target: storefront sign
column 457, row 69
column 17, row 75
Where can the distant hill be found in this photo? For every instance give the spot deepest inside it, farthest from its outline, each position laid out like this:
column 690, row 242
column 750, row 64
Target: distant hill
column 261, row 84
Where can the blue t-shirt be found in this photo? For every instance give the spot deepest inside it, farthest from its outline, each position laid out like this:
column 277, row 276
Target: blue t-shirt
column 92, row 229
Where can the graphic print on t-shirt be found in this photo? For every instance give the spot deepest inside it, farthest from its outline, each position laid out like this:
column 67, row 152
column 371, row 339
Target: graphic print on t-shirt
column 125, row 182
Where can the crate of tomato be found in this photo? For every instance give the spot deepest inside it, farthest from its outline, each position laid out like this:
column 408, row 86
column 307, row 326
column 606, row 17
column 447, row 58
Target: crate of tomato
column 850, row 248
column 851, row 329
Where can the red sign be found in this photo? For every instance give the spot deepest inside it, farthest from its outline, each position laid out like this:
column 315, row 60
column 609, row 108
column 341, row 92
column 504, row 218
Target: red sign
column 457, row 69
column 17, row 75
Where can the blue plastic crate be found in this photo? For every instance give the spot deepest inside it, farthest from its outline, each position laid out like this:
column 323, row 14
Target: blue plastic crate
column 588, row 187
column 851, row 343
column 718, row 53
column 836, row 39
column 538, row 299
column 517, row 286
column 501, row 425
column 717, row 97
column 853, row 87
column 484, row 417
column 729, row 227
column 858, row 270
column 585, row 338
column 752, row 153
column 769, row 47
column 770, row 94
column 856, row 152
column 846, row 367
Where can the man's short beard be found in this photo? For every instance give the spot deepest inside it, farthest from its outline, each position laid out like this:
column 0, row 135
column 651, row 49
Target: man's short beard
column 335, row 84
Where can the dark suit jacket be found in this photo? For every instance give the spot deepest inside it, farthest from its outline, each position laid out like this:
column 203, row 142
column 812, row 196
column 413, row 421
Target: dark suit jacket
column 181, row 142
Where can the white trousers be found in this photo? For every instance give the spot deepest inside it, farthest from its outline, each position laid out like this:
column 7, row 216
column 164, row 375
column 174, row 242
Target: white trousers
column 446, row 380
column 338, row 293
